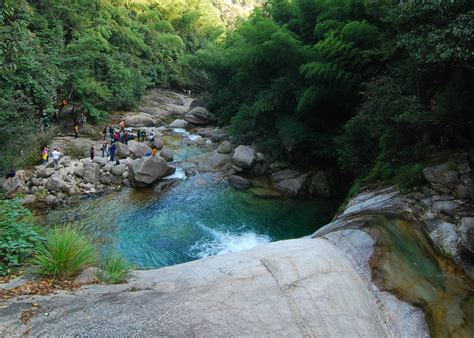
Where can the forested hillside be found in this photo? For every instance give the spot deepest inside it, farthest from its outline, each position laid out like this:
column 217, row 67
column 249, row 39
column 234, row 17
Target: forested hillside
column 371, row 88
column 365, row 87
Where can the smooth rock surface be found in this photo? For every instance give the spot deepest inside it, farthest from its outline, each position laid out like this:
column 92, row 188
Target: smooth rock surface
column 244, row 156
column 200, row 116
column 296, row 288
column 138, row 149
column 145, row 171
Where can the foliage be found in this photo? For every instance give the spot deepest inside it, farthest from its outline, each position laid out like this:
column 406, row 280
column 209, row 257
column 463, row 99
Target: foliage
column 65, row 253
column 115, row 269
column 18, row 237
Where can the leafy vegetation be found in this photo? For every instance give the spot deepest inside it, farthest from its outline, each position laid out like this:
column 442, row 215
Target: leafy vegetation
column 65, row 253
column 18, row 238
column 368, row 87
column 115, row 269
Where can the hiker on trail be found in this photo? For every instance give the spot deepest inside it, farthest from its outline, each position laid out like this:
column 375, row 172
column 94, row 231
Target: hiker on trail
column 104, row 132
column 151, row 137
column 112, row 152
column 111, row 133
column 76, row 130
column 125, row 138
column 104, row 149
column 154, row 151
column 122, row 124
column 92, row 153
column 143, row 135
column 44, row 155
column 82, row 120
column 56, row 155
column 138, row 135
column 45, row 122
column 116, row 137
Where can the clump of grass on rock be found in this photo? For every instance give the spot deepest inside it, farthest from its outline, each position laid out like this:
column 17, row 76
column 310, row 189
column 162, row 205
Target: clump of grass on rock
column 65, row 253
column 115, row 269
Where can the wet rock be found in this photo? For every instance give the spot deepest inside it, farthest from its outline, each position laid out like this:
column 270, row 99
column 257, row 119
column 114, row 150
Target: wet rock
column 442, row 177
column 126, row 183
column 219, row 160
column 265, row 193
column 167, row 155
column 145, row 171
column 219, row 135
column 244, row 156
column 224, row 148
column 200, row 116
column 138, row 149
column 319, row 185
column 122, row 150
column 164, row 185
column 91, row 173
column 179, row 124
column 239, row 183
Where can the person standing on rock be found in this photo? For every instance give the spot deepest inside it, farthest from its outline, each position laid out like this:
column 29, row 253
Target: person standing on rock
column 122, row 124
column 111, row 133
column 56, row 155
column 44, row 155
column 92, row 153
column 104, row 132
column 104, row 149
column 76, row 130
column 116, row 137
column 143, row 136
column 112, row 152
column 138, row 135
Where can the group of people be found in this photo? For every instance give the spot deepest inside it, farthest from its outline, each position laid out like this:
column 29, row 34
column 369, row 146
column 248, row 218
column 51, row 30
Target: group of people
column 56, row 154
column 108, row 148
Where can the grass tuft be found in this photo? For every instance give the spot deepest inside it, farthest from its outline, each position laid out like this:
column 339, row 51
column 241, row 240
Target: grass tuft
column 115, row 269
column 65, row 253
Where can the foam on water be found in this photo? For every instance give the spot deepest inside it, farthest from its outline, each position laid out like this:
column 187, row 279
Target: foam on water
column 178, row 174
column 224, row 242
column 183, row 132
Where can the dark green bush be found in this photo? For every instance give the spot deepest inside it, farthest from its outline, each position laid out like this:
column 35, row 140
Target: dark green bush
column 18, row 237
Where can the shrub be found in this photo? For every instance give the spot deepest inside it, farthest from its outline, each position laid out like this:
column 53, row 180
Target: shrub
column 115, row 269
column 18, row 238
column 65, row 253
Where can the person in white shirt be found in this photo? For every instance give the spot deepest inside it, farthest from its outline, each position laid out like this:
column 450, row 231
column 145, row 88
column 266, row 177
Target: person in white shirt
column 56, row 154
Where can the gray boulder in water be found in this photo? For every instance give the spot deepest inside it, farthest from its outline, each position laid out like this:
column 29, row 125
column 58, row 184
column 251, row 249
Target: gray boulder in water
column 239, row 183
column 146, row 170
column 200, row 116
column 244, row 156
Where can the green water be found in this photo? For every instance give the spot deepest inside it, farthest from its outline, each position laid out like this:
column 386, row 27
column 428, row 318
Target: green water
column 406, row 265
column 201, row 216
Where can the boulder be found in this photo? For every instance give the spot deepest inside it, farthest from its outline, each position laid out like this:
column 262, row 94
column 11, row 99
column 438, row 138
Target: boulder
column 167, row 155
column 79, row 171
column 442, row 177
column 122, row 150
column 319, row 185
column 14, row 184
column 197, row 103
column 87, row 276
column 265, row 193
column 105, row 178
column 200, row 116
column 219, row 160
column 35, row 181
column 46, row 172
column 224, row 148
column 118, row 170
column 91, row 173
column 28, row 199
column 219, row 135
column 290, row 182
column 244, row 156
column 140, row 120
column 179, row 124
column 56, row 183
column 466, row 230
column 51, row 200
column 101, row 161
column 239, row 182
column 446, row 239
column 158, row 143
column 138, row 149
column 146, row 170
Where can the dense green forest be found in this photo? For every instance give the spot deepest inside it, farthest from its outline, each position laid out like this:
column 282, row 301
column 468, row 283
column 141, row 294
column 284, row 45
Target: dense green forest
column 371, row 88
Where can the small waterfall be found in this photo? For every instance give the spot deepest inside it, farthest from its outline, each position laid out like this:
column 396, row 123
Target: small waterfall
column 225, row 242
